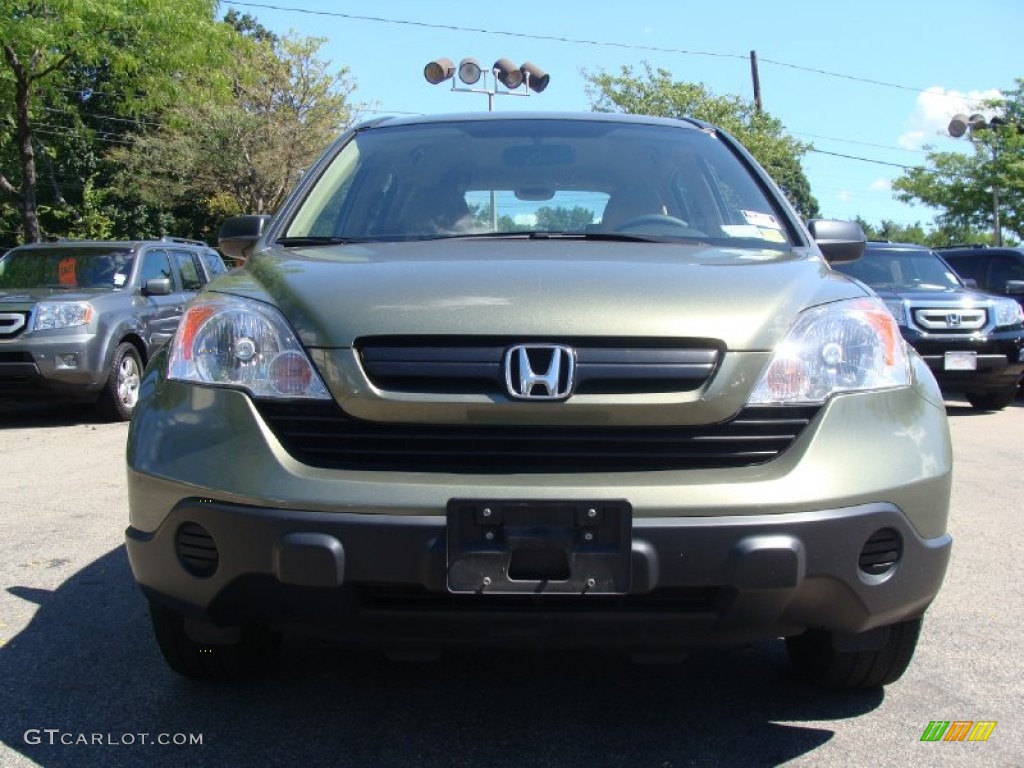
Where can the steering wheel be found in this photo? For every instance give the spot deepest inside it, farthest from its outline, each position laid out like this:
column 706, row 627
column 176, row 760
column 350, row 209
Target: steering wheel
column 658, row 223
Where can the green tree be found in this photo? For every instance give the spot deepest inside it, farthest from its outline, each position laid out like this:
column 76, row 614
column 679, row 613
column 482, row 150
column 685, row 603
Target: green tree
column 561, row 219
column 148, row 50
column 656, row 93
column 960, row 184
column 243, row 154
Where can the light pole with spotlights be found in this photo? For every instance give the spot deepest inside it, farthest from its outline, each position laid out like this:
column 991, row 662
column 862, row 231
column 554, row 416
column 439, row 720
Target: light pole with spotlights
column 961, row 124
column 518, row 81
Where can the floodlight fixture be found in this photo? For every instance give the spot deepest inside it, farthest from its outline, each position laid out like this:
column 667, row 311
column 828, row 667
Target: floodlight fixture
column 536, row 78
column 508, row 74
column 958, row 125
column 438, row 71
column 469, row 71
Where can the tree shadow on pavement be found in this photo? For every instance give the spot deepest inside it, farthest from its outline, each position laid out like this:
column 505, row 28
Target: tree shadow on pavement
column 86, row 665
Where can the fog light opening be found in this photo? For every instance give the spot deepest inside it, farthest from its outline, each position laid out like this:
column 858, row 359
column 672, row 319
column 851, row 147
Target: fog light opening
column 881, row 552
column 197, row 551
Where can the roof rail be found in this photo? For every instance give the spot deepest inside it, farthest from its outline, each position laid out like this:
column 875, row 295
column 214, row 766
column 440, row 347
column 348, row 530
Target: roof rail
column 962, row 245
column 183, row 240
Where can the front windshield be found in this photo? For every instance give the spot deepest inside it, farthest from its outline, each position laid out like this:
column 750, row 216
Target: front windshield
column 896, row 269
column 68, row 268
column 563, row 177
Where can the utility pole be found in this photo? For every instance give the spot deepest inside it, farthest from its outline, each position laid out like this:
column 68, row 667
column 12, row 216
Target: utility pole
column 757, row 81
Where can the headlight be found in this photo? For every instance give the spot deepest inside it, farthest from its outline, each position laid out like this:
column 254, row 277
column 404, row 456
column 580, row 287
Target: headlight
column 241, row 343
column 848, row 346
column 61, row 314
column 898, row 309
column 1008, row 312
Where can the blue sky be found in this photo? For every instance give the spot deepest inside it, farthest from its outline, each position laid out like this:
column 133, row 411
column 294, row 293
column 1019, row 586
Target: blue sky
column 872, row 80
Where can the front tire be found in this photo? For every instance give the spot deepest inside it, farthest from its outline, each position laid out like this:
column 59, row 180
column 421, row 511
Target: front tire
column 121, row 392
column 252, row 656
column 992, row 401
column 816, row 660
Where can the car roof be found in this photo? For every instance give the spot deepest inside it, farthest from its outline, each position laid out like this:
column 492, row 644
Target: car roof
column 128, row 244
column 908, row 248
column 601, row 117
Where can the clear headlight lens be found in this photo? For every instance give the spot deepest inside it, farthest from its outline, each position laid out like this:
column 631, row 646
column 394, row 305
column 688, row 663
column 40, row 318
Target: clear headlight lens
column 898, row 309
column 241, row 343
column 1008, row 312
column 848, row 346
column 61, row 314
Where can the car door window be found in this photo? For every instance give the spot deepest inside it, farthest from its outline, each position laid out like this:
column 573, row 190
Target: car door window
column 1003, row 269
column 155, row 265
column 189, row 271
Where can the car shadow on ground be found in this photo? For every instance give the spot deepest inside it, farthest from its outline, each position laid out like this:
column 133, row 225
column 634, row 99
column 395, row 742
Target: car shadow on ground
column 86, row 664
column 21, row 414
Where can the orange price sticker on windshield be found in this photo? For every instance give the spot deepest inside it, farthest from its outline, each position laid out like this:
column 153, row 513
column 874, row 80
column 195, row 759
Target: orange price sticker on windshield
column 66, row 272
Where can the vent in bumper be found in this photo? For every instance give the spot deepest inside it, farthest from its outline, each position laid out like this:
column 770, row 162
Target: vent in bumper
column 322, row 435
column 196, row 549
column 881, row 552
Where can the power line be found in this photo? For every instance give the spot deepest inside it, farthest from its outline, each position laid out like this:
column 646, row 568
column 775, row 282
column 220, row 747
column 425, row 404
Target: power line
column 601, row 43
column 869, row 160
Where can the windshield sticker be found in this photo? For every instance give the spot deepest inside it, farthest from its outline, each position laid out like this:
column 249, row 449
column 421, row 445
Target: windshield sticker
column 774, row 235
column 119, row 280
column 741, row 230
column 66, row 271
column 761, row 219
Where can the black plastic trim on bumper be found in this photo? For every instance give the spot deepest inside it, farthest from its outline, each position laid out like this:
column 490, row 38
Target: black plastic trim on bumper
column 693, row 580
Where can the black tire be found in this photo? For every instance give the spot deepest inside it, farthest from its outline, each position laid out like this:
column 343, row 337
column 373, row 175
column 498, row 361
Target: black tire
column 817, row 661
column 253, row 656
column 121, row 392
column 992, row 401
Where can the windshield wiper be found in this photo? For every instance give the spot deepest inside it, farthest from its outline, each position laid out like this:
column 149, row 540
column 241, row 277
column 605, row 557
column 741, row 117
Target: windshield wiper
column 294, row 242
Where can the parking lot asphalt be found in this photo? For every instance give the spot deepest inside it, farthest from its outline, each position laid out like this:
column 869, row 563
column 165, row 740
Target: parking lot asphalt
column 83, row 683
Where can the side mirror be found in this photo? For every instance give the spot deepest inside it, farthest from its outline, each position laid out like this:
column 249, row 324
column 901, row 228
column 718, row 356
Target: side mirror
column 157, row 286
column 1015, row 287
column 970, row 282
column 839, row 241
column 239, row 235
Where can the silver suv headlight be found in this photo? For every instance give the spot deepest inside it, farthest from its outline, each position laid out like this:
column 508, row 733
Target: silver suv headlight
column 242, row 343
column 61, row 314
column 848, row 346
column 1008, row 312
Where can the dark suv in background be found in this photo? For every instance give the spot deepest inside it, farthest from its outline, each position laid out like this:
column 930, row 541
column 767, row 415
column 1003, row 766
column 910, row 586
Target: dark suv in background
column 997, row 270
column 972, row 341
column 80, row 319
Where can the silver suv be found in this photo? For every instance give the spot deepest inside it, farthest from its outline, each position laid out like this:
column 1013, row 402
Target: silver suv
column 80, row 319
column 539, row 380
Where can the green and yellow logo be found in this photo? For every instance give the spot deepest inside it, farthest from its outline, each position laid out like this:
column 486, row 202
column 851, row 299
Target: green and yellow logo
column 958, row 730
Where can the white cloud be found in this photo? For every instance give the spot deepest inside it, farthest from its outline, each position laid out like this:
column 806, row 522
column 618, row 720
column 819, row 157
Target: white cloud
column 933, row 111
column 881, row 185
column 844, row 196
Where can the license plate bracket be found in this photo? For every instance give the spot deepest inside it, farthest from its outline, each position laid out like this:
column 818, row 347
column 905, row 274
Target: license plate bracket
column 539, row 547
column 961, row 361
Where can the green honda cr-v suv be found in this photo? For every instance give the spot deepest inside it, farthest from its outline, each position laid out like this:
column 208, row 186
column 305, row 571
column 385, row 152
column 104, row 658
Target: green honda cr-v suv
column 539, row 380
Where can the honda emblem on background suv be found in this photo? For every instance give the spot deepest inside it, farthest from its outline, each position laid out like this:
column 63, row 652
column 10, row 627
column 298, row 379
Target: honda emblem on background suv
column 540, row 371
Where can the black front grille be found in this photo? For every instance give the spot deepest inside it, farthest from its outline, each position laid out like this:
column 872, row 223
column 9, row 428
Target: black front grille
column 476, row 365
column 322, row 435
column 662, row 600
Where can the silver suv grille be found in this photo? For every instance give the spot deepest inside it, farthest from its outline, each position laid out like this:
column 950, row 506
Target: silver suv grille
column 950, row 319
column 12, row 323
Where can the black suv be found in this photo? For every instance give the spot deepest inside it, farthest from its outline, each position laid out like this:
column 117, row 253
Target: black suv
column 972, row 341
column 997, row 270
column 80, row 319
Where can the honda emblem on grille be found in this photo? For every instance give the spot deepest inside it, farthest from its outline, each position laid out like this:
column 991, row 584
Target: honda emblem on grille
column 953, row 319
column 540, row 371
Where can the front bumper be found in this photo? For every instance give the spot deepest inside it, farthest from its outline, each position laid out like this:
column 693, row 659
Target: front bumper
column 1000, row 361
column 692, row 581
column 59, row 365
